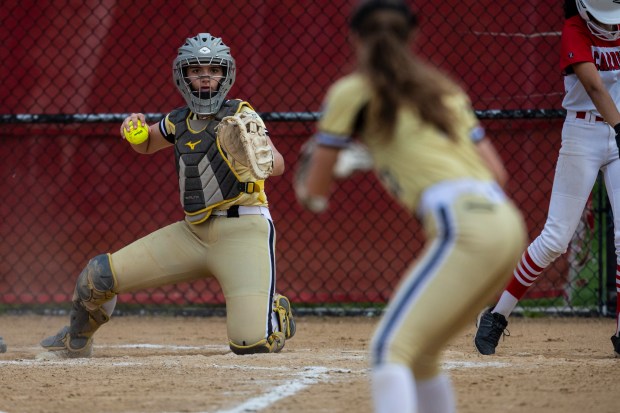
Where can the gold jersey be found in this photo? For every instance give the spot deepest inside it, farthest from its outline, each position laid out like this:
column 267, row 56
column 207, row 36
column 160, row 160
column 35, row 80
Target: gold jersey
column 419, row 155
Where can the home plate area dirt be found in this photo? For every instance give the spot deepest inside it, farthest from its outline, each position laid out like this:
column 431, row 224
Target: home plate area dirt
column 183, row 364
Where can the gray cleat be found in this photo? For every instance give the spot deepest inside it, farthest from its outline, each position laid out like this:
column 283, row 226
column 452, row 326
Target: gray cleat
column 63, row 346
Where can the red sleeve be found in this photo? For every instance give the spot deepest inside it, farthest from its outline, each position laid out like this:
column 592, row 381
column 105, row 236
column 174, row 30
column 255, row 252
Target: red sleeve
column 576, row 43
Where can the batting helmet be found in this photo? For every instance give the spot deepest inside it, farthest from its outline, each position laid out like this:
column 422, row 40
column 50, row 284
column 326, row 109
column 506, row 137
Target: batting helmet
column 595, row 12
column 206, row 50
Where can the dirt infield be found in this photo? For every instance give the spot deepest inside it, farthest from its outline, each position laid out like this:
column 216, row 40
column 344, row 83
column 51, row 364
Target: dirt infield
column 177, row 364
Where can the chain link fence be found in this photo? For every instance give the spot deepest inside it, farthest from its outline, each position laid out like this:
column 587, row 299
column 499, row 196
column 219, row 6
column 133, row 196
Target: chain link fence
column 72, row 189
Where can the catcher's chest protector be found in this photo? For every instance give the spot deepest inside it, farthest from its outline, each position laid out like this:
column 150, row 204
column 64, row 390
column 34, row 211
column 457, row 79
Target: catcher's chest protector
column 205, row 178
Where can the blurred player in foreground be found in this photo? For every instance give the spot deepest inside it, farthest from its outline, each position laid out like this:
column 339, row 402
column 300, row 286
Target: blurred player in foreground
column 227, row 232
column 431, row 155
column 590, row 48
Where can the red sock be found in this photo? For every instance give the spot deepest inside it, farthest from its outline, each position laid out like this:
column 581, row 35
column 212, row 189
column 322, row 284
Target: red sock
column 524, row 275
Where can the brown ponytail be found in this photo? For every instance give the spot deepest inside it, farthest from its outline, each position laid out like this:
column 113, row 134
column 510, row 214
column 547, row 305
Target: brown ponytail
column 396, row 76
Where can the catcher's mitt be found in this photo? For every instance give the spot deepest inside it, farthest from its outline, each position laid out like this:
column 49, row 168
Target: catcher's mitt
column 243, row 137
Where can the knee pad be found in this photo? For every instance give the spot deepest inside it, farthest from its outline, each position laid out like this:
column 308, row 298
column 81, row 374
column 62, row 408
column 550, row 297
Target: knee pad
column 96, row 283
column 95, row 286
column 272, row 344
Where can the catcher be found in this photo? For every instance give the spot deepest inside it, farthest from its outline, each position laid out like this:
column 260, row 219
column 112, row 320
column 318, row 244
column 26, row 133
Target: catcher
column 223, row 156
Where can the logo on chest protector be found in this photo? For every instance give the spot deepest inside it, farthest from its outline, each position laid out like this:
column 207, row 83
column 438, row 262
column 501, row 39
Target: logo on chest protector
column 192, row 145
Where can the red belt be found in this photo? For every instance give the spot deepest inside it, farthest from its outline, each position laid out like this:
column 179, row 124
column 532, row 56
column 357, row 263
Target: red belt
column 583, row 115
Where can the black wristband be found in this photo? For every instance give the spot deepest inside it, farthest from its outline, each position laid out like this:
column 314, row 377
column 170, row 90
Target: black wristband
column 617, row 128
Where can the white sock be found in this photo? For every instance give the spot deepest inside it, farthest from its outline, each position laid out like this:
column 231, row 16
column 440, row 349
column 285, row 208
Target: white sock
column 393, row 389
column 436, row 395
column 507, row 302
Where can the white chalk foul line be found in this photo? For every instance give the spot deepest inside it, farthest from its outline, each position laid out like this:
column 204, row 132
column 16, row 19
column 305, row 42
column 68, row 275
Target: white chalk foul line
column 449, row 365
column 168, row 347
column 310, row 376
column 316, row 374
column 242, row 367
column 213, row 347
column 68, row 362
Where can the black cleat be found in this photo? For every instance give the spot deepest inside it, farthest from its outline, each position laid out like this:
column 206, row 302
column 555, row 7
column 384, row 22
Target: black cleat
column 615, row 340
column 491, row 326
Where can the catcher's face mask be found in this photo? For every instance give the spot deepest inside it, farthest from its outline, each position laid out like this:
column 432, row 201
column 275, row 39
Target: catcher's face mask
column 204, row 81
column 204, row 56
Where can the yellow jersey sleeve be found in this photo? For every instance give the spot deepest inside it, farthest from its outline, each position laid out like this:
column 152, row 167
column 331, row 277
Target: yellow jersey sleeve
column 466, row 117
column 342, row 106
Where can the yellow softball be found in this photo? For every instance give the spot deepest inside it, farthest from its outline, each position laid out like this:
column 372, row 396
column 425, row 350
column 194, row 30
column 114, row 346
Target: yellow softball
column 136, row 135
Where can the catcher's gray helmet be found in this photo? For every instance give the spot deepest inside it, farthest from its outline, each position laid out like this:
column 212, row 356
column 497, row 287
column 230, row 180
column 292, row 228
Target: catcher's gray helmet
column 204, row 49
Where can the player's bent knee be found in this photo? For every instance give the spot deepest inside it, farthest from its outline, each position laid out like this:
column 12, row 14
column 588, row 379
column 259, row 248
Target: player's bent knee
column 272, row 344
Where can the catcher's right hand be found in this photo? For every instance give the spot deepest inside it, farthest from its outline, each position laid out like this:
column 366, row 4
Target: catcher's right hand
column 243, row 137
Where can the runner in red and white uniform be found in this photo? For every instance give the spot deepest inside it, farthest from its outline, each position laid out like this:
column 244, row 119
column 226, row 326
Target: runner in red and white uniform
column 590, row 64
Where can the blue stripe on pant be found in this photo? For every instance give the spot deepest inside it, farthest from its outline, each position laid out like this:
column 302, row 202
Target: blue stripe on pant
column 397, row 309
